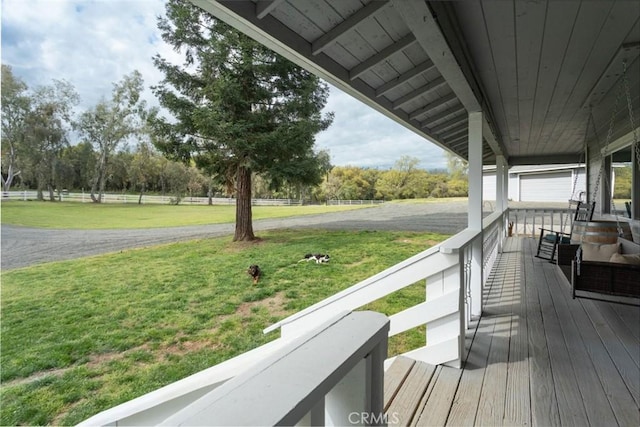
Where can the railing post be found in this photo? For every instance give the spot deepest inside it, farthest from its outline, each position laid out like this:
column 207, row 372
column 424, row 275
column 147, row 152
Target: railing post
column 443, row 329
column 501, row 199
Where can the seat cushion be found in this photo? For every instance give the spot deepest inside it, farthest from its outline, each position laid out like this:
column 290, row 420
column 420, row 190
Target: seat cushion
column 632, row 259
column 600, row 253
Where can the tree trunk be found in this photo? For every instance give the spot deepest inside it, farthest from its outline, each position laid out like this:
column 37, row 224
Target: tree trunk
column 94, row 186
column 244, row 224
column 52, row 196
column 98, row 182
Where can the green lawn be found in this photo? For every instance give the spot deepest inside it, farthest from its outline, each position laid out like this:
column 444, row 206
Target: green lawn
column 111, row 215
column 81, row 336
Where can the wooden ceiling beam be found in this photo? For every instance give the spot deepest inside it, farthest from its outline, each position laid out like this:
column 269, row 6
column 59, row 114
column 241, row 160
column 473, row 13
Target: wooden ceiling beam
column 450, row 123
column 432, row 106
column 332, row 35
column 455, row 131
column 421, row 21
column 265, row 7
column 405, row 77
column 385, row 53
column 448, row 112
column 422, row 90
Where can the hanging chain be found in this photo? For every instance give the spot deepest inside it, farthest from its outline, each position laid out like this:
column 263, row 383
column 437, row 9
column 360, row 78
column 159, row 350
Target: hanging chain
column 563, row 222
column 607, row 179
column 636, row 145
column 606, row 145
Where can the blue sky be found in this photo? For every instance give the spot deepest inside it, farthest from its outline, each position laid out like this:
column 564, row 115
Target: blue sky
column 94, row 43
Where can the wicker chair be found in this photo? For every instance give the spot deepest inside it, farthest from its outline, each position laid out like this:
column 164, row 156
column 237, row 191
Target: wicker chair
column 550, row 239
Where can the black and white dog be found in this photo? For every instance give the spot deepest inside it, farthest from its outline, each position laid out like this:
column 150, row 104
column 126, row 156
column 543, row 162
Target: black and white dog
column 318, row 258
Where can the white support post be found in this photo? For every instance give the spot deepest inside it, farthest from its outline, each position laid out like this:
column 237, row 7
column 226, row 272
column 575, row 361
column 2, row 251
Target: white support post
column 499, row 183
column 475, row 171
column 505, row 184
column 502, row 183
column 475, row 209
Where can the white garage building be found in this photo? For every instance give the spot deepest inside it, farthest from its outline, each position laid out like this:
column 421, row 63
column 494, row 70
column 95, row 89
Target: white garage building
column 542, row 183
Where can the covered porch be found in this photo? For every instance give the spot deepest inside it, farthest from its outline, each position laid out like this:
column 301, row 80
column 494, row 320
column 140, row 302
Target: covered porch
column 495, row 83
column 535, row 357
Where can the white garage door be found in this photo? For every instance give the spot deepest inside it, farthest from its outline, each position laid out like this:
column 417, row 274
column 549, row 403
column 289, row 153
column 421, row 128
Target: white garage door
column 546, row 187
column 488, row 186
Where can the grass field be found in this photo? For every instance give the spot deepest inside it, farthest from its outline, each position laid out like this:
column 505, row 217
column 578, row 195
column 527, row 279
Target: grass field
column 78, row 337
column 105, row 216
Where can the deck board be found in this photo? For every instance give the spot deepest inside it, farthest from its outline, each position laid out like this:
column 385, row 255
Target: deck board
column 619, row 355
column 517, row 411
column 537, row 356
column 544, row 402
column 570, row 405
column 493, row 393
column 629, row 335
column 410, row 394
column 466, row 402
column 631, row 316
column 436, row 409
column 394, row 377
column 615, row 390
column 592, row 394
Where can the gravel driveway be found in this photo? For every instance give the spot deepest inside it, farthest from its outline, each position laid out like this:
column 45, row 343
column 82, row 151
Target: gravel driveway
column 22, row 246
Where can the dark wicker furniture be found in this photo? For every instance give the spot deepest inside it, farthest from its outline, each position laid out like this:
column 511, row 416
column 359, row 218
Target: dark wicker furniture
column 606, row 278
column 550, row 239
column 603, row 278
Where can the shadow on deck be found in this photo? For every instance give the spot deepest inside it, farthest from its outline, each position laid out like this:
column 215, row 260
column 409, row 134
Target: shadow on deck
column 536, row 357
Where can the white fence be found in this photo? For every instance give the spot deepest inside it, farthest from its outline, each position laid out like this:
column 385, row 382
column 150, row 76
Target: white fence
column 164, row 200
column 355, row 202
column 146, row 199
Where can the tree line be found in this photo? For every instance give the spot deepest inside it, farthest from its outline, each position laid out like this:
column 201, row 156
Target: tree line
column 234, row 118
column 116, row 153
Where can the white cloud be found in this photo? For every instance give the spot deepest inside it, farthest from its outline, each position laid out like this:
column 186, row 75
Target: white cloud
column 361, row 136
column 93, row 44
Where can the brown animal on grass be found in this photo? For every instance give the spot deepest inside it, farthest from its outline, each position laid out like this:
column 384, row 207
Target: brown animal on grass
column 255, row 272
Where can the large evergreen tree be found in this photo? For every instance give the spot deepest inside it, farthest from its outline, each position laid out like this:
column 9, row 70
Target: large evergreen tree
column 239, row 108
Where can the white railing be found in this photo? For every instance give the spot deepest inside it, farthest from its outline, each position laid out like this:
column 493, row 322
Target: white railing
column 493, row 227
column 527, row 222
column 338, row 371
column 453, row 292
column 154, row 407
column 446, row 311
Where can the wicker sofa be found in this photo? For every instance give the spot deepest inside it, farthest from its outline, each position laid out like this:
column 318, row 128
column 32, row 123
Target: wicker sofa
column 608, row 278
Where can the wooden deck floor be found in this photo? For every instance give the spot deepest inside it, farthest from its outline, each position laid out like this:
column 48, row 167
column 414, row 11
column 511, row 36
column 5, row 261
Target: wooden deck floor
column 536, row 357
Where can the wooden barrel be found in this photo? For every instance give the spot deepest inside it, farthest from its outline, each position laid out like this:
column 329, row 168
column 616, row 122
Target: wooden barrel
column 601, row 232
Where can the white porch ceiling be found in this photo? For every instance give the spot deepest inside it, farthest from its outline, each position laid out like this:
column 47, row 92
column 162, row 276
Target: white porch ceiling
column 533, row 67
